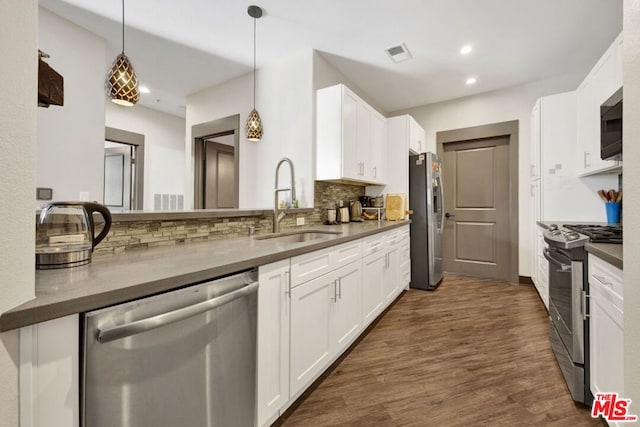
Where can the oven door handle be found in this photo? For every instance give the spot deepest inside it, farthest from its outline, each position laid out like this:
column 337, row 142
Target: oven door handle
column 564, row 268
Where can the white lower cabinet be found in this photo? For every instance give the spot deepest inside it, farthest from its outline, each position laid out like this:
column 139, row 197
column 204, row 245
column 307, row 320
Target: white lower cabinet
column 312, row 307
column 272, row 383
column 49, row 373
column 606, row 328
column 373, row 268
column 347, row 307
column 311, row 343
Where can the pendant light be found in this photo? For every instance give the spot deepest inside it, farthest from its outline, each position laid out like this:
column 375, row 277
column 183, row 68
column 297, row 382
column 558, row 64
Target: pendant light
column 253, row 128
column 122, row 82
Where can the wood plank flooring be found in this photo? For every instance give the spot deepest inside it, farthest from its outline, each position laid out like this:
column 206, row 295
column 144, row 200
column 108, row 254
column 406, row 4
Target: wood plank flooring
column 472, row 353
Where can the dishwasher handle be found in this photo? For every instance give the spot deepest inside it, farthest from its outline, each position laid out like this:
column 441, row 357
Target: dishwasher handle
column 142, row 325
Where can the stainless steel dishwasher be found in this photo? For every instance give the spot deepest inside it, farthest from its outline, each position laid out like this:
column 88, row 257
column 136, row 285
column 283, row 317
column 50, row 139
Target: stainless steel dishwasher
column 182, row 358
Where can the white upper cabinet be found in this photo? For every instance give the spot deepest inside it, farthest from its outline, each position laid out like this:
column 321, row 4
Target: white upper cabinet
column 417, row 143
column 351, row 138
column 604, row 79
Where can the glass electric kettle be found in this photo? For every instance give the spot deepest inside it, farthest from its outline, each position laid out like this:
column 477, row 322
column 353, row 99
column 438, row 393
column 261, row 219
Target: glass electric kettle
column 65, row 234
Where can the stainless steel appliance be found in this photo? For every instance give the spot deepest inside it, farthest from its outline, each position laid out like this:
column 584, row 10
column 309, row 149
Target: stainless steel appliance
column 182, row 358
column 65, row 233
column 568, row 294
column 426, row 201
column 355, row 212
column 611, row 127
column 343, row 214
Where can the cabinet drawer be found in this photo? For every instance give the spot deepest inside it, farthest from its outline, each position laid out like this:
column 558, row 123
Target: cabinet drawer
column 309, row 266
column 405, row 273
column 347, row 253
column 372, row 244
column 405, row 251
column 605, row 274
column 391, row 237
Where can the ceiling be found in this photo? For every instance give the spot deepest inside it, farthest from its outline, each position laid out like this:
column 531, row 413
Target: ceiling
column 182, row 47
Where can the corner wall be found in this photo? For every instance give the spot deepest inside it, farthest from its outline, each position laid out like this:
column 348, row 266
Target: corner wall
column 503, row 105
column 71, row 137
column 18, row 93
column 631, row 206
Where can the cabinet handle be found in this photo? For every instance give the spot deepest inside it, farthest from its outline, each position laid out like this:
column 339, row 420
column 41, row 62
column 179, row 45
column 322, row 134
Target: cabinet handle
column 585, row 305
column 602, row 280
column 340, row 287
column 287, row 278
column 532, row 170
column 586, row 156
column 335, row 291
column 375, row 171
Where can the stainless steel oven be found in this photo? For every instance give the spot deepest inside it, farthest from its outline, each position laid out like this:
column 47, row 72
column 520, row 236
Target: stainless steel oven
column 568, row 310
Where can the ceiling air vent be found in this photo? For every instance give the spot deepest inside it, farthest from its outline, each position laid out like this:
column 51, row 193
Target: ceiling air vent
column 399, row 53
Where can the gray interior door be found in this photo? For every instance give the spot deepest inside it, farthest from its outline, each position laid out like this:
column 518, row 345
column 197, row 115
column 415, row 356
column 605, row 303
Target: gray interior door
column 219, row 175
column 118, row 170
column 476, row 185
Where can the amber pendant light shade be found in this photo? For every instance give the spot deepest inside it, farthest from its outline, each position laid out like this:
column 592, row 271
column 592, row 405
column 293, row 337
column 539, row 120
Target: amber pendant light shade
column 253, row 128
column 122, row 81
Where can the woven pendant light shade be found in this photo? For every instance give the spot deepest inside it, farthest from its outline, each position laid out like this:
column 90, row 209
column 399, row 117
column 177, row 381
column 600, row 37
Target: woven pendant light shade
column 122, row 82
column 253, row 128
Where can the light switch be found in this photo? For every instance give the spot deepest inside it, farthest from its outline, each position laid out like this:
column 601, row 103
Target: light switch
column 84, row 196
column 300, row 221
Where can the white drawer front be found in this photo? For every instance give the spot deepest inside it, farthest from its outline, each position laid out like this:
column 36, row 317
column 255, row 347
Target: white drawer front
column 348, row 253
column 309, row 266
column 392, row 237
column 605, row 274
column 405, row 273
column 372, row 244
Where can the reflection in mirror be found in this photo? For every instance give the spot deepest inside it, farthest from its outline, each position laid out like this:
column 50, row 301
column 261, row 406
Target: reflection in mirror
column 123, row 169
column 216, row 156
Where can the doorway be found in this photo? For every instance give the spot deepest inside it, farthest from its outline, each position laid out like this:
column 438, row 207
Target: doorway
column 216, row 161
column 123, row 170
column 480, row 184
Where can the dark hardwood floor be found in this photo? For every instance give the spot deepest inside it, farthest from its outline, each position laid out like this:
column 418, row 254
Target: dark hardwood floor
column 472, row 353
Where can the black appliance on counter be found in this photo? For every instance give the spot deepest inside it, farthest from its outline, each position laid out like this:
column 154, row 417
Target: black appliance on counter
column 611, row 127
column 568, row 295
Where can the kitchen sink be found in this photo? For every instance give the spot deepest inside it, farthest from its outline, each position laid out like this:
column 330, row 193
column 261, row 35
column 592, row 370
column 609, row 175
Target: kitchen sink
column 298, row 236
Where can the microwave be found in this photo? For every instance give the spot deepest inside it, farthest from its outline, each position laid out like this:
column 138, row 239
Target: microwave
column 611, row 127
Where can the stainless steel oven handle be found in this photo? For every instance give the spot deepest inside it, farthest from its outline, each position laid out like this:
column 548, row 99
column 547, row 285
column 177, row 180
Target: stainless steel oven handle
column 564, row 268
column 169, row 317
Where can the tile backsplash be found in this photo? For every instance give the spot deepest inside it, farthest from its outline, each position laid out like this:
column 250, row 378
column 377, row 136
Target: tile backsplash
column 129, row 235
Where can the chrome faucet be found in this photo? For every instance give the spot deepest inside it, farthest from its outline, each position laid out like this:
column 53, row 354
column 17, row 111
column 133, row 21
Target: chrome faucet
column 277, row 213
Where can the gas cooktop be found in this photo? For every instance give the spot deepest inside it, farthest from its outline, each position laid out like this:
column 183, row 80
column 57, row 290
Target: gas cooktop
column 598, row 233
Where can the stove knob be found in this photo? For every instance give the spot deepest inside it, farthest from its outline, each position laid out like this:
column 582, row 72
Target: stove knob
column 572, row 235
column 552, row 227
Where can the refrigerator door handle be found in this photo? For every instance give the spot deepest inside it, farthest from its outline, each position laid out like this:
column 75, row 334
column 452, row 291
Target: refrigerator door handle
column 441, row 196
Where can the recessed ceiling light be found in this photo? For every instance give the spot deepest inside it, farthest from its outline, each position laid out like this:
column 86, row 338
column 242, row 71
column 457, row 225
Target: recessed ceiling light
column 466, row 49
column 144, row 89
column 471, row 81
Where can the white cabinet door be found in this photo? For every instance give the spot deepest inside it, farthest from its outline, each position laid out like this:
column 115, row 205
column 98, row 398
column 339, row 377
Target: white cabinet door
column 273, row 341
column 606, row 340
column 311, row 340
column 347, row 315
column 373, row 268
column 49, row 373
column 391, row 281
column 351, row 164
column 416, row 137
column 377, row 147
column 536, row 146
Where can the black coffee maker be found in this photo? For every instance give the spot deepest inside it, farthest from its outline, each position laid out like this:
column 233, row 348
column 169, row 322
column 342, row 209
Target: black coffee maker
column 366, row 201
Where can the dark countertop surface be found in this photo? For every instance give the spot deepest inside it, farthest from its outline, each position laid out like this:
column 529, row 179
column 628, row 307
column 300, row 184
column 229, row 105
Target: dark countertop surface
column 116, row 278
column 609, row 252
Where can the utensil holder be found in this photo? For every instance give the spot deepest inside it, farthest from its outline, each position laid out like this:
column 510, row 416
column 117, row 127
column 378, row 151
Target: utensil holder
column 613, row 212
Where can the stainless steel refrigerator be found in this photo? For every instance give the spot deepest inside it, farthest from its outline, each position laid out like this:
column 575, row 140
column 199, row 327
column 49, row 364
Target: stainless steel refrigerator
column 426, row 200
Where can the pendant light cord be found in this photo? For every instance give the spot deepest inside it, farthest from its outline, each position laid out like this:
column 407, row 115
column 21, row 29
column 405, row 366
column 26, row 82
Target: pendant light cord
column 122, row 26
column 254, row 62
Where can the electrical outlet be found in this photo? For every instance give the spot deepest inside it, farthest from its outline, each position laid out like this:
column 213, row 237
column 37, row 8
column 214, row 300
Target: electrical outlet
column 84, row 196
column 300, row 221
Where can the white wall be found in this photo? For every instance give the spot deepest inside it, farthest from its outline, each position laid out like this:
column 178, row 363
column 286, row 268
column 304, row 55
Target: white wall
column 284, row 101
column 71, row 138
column 508, row 104
column 631, row 206
column 163, row 146
column 18, row 94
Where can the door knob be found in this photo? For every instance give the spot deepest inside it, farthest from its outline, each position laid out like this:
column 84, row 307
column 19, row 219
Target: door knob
column 448, row 215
